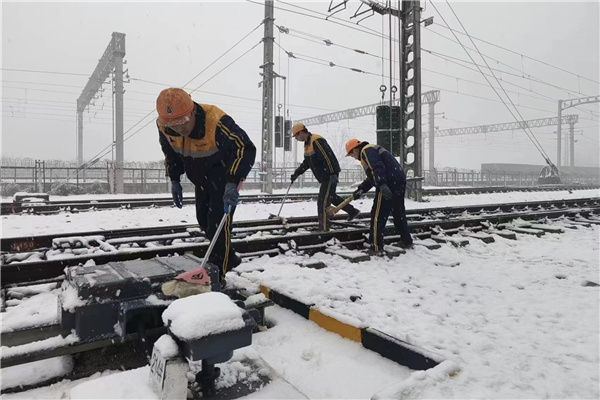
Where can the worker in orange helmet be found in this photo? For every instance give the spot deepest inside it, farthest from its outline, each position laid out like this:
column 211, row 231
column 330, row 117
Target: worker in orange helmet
column 385, row 173
column 206, row 144
column 325, row 167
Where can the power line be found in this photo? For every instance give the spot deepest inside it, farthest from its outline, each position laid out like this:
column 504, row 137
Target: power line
column 326, row 42
column 37, row 90
column 225, row 95
column 520, row 54
column 222, row 55
column 224, row 68
column 41, row 83
column 44, row 72
column 532, row 137
column 322, row 62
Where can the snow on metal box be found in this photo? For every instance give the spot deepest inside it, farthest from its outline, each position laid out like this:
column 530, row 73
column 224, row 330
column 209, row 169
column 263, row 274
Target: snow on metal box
column 219, row 347
column 128, row 279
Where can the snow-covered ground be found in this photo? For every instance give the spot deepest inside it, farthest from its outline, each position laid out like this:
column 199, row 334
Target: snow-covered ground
column 513, row 316
column 22, row 225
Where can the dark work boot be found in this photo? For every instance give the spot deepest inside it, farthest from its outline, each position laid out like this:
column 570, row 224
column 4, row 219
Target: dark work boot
column 353, row 214
column 234, row 261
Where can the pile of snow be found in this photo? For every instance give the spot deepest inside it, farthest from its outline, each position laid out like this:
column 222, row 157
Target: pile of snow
column 205, row 314
column 167, row 346
column 38, row 371
column 125, row 385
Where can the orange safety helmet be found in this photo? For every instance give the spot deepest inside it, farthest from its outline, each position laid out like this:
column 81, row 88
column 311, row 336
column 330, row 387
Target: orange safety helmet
column 297, row 128
column 174, row 105
column 351, row 145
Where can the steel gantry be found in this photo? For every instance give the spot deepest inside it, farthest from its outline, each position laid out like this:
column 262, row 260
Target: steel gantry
column 506, row 126
column 112, row 59
column 430, row 97
column 563, row 105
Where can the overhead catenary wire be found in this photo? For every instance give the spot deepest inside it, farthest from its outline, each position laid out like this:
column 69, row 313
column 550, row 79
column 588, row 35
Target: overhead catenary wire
column 329, row 43
column 44, row 72
column 530, row 133
column 523, row 55
column 365, row 29
column 223, row 55
column 323, row 62
column 326, row 42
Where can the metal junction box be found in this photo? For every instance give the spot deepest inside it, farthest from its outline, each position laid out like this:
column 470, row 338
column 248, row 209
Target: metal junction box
column 111, row 300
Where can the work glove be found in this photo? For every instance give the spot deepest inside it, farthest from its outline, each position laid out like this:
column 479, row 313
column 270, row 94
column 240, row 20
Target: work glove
column 333, row 179
column 357, row 193
column 293, row 177
column 385, row 190
column 231, row 196
column 177, row 192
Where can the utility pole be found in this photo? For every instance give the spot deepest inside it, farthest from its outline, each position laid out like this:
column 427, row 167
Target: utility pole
column 572, row 144
column 558, row 135
column 267, row 101
column 119, row 53
column 431, row 138
column 563, row 105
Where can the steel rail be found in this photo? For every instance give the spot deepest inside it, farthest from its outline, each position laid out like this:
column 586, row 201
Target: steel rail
column 28, row 243
column 53, row 207
column 22, row 272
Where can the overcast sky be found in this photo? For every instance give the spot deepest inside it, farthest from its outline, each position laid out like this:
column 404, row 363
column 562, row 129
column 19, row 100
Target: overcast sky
column 169, row 44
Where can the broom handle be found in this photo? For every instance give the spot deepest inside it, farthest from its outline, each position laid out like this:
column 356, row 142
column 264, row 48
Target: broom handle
column 343, row 204
column 218, row 231
column 285, row 197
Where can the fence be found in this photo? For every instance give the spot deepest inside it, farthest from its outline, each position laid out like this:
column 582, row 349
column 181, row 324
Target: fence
column 43, row 176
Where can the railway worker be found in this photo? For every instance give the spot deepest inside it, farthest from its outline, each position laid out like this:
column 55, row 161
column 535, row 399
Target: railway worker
column 206, row 144
column 385, row 173
column 325, row 167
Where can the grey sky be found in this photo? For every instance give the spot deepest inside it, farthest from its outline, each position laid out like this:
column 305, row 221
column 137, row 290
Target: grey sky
column 170, row 43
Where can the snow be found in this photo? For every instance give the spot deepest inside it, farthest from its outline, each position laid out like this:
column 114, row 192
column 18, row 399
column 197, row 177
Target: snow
column 23, row 225
column 167, row 346
column 195, row 317
column 38, row 371
column 59, row 390
column 501, row 313
column 511, row 319
column 124, row 385
column 70, row 299
column 28, row 312
column 46, row 344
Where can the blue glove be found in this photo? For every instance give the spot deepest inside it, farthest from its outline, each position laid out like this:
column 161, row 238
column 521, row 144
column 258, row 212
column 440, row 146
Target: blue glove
column 357, row 193
column 385, row 190
column 231, row 196
column 333, row 179
column 177, row 192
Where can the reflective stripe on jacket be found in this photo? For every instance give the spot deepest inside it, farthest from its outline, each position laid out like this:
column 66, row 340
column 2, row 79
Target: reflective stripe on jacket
column 319, row 157
column 381, row 167
column 215, row 141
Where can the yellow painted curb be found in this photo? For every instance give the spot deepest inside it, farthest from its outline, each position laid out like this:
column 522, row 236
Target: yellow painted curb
column 335, row 326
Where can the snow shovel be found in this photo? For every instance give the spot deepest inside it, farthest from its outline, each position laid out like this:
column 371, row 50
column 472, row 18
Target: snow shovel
column 283, row 219
column 332, row 210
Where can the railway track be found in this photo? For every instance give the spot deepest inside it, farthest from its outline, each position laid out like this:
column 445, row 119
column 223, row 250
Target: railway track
column 454, row 225
column 40, row 258
column 53, row 207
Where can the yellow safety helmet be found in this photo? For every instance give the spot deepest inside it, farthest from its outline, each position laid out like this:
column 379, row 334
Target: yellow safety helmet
column 297, row 128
